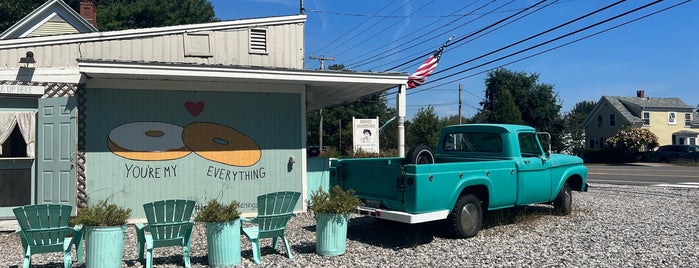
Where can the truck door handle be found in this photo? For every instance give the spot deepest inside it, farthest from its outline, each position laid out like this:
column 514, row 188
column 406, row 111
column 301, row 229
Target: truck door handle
column 526, row 161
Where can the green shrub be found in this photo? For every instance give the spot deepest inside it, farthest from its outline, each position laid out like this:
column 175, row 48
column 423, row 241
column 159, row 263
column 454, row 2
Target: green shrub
column 214, row 211
column 102, row 214
column 337, row 201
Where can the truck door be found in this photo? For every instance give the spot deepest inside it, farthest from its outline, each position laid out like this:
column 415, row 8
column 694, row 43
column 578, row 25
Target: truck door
column 534, row 172
column 56, row 149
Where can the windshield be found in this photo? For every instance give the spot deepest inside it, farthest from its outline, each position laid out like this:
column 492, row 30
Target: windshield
column 473, row 142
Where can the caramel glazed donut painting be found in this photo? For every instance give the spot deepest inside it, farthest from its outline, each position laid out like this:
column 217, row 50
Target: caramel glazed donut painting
column 157, row 141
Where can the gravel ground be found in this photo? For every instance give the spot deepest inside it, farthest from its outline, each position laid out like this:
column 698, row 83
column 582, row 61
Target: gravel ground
column 611, row 226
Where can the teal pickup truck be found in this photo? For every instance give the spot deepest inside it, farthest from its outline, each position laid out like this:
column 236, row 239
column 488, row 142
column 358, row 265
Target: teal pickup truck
column 474, row 168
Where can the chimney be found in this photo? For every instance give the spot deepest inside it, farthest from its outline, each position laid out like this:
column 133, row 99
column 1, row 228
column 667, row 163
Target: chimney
column 640, row 94
column 88, row 9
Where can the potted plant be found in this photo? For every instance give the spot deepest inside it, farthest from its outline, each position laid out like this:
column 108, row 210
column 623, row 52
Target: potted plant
column 222, row 232
column 332, row 212
column 105, row 228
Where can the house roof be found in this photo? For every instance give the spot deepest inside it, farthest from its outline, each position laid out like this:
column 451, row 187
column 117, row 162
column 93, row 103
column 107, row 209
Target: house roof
column 148, row 32
column 323, row 88
column 51, row 11
column 626, row 106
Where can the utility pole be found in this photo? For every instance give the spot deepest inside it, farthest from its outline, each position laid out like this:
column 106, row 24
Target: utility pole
column 322, row 60
column 302, row 10
column 459, row 104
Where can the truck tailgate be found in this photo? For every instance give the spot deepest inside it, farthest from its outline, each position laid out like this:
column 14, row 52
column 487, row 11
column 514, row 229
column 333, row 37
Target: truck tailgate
column 372, row 179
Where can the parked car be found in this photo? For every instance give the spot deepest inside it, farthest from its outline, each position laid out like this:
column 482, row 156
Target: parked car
column 672, row 153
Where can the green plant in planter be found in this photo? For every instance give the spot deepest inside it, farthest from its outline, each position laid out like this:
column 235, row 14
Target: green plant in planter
column 332, row 215
column 102, row 214
column 214, row 211
column 105, row 229
column 337, row 201
column 222, row 232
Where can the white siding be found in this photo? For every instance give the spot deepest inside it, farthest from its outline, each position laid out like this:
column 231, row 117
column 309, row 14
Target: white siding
column 229, row 47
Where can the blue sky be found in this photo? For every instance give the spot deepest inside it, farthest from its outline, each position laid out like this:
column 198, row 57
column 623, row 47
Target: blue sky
column 658, row 54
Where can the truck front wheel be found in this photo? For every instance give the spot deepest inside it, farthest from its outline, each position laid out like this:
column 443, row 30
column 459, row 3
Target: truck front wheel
column 467, row 216
column 563, row 203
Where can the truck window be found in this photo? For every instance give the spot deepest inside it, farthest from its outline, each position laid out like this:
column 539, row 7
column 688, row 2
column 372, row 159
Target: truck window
column 473, row 142
column 528, row 145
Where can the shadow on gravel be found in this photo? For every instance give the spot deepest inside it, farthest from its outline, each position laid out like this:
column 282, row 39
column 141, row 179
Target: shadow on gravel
column 396, row 235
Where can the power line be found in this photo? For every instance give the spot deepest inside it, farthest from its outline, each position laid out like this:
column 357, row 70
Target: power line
column 411, row 40
column 354, row 28
column 551, row 49
column 550, row 40
column 474, row 33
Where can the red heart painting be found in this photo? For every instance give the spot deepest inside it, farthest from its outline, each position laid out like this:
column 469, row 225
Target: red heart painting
column 194, row 108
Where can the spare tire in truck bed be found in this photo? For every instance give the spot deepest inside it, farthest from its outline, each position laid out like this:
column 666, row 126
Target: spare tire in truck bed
column 419, row 154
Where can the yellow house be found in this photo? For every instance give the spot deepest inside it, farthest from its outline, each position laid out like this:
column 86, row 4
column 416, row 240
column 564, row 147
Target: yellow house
column 673, row 121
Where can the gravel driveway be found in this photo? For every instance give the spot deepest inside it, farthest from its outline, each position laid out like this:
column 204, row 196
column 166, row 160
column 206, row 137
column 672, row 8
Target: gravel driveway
column 611, row 226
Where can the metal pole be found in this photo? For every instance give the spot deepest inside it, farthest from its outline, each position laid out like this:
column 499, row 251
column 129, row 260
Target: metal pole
column 400, row 106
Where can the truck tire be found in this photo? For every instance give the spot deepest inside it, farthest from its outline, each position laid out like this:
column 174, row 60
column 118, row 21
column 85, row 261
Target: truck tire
column 563, row 203
column 467, row 216
column 420, row 154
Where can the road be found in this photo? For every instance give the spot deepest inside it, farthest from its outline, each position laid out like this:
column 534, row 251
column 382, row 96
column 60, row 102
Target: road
column 645, row 174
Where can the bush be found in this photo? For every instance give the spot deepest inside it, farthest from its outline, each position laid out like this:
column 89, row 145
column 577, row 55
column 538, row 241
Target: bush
column 337, row 201
column 214, row 211
column 102, row 214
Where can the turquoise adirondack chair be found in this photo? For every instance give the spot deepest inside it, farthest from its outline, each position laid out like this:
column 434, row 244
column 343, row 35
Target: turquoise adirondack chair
column 169, row 224
column 44, row 228
column 273, row 212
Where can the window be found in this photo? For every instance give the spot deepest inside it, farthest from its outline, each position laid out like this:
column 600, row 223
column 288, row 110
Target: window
column 692, row 141
column 14, row 146
column 601, row 142
column 592, row 143
column 258, row 41
column 473, row 142
column 672, row 118
column 646, row 118
column 599, row 120
column 612, row 120
column 687, row 120
column 529, row 145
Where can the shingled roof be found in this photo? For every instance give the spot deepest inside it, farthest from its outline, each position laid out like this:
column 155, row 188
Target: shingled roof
column 629, row 107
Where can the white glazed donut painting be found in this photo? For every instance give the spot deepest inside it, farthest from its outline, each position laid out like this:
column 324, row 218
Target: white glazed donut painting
column 158, row 141
column 150, row 141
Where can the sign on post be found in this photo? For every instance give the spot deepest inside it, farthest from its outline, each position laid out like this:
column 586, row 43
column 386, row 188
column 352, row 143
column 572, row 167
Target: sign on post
column 365, row 135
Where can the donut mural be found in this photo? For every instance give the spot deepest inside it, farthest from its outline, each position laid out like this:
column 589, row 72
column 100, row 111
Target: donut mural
column 221, row 144
column 158, row 141
column 147, row 141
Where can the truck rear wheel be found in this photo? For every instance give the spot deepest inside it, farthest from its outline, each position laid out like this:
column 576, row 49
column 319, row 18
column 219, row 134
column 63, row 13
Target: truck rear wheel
column 420, row 154
column 467, row 216
column 563, row 203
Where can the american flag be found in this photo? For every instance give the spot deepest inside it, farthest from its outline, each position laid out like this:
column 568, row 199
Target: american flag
column 419, row 76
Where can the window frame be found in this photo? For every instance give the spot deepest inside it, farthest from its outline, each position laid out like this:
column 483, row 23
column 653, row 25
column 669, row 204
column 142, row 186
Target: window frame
column 612, row 120
column 646, row 118
column 672, row 118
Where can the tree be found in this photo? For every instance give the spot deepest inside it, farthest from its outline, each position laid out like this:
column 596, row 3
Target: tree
column 505, row 110
column 573, row 132
column 122, row 14
column 424, row 128
column 633, row 139
column 133, row 14
column 337, row 123
column 538, row 103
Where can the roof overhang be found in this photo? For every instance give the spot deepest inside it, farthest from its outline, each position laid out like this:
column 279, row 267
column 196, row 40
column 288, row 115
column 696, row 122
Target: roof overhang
column 323, row 88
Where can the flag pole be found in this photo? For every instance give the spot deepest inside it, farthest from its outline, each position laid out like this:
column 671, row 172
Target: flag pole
column 400, row 106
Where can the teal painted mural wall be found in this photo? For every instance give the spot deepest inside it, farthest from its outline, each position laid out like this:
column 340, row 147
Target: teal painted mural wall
column 237, row 145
